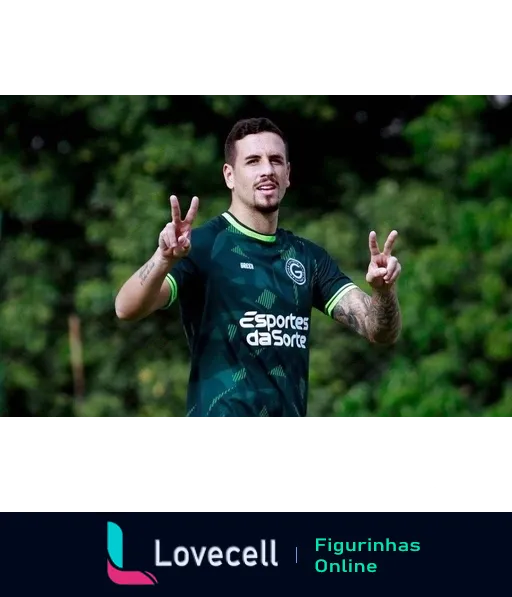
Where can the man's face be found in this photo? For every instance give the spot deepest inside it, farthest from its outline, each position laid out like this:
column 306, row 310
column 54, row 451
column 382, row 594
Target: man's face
column 260, row 175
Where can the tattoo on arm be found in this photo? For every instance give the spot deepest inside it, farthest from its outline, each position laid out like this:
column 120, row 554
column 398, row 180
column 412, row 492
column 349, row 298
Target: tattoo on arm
column 377, row 318
column 145, row 271
column 352, row 310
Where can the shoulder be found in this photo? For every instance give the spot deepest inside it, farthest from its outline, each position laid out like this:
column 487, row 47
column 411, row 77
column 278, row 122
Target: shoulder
column 204, row 236
column 203, row 239
column 207, row 232
column 306, row 246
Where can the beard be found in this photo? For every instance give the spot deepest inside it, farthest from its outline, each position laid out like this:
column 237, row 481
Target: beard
column 267, row 209
column 266, row 206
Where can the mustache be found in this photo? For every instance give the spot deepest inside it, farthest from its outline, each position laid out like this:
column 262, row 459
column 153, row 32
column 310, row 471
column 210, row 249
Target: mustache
column 266, row 181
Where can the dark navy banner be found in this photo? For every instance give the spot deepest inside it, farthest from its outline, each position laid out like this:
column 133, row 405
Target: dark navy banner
column 247, row 554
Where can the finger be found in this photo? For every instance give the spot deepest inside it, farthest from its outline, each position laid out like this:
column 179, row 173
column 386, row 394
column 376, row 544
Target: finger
column 175, row 209
column 390, row 269
column 184, row 243
column 395, row 275
column 374, row 247
column 380, row 260
column 390, row 242
column 170, row 235
column 183, row 246
column 192, row 212
column 183, row 239
column 376, row 273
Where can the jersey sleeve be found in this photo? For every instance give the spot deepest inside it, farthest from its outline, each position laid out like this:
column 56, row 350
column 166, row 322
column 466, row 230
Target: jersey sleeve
column 190, row 271
column 329, row 283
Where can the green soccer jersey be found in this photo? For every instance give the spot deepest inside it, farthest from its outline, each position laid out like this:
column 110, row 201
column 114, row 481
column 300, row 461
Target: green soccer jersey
column 246, row 301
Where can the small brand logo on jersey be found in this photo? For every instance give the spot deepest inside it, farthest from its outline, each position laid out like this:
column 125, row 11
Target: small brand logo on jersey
column 247, row 266
column 296, row 271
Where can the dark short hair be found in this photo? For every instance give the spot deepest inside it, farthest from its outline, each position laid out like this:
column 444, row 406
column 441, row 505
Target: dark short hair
column 249, row 126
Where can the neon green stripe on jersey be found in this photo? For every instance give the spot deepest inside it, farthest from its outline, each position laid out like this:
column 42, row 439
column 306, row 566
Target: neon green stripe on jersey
column 247, row 231
column 173, row 290
column 341, row 292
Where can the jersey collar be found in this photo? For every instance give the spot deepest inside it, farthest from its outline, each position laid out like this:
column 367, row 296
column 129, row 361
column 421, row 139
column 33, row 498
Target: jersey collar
column 248, row 231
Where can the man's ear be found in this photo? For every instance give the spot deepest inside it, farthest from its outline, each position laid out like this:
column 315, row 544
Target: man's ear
column 228, row 176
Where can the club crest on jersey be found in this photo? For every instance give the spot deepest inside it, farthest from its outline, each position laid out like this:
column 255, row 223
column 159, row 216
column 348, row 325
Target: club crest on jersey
column 296, row 271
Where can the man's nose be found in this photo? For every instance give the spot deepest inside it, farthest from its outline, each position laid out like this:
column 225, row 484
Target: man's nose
column 267, row 168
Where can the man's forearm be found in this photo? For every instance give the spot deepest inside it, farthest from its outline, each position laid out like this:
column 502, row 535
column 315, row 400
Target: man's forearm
column 375, row 317
column 384, row 320
column 139, row 293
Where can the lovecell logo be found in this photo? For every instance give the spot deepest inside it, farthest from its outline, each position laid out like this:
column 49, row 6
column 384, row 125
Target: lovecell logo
column 116, row 573
column 168, row 556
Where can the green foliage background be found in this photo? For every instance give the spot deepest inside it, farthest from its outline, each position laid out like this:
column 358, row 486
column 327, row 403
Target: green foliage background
column 84, row 188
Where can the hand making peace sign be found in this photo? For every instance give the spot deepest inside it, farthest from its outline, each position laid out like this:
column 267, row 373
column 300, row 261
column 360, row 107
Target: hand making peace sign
column 383, row 269
column 174, row 241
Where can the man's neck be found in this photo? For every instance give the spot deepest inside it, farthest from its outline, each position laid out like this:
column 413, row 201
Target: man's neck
column 257, row 221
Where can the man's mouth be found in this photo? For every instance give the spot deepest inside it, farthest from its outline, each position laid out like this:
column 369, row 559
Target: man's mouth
column 267, row 187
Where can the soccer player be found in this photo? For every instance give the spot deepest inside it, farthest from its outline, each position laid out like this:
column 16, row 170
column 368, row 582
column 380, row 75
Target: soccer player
column 246, row 288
